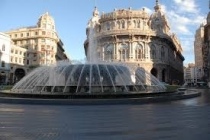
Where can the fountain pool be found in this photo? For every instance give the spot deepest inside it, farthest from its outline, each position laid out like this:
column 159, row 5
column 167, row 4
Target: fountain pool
column 89, row 78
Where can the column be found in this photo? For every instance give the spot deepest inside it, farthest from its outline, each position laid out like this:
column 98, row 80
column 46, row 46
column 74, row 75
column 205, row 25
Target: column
column 103, row 53
column 114, row 51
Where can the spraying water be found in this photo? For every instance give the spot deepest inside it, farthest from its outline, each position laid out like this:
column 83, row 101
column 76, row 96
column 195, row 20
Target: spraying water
column 93, row 77
column 92, row 54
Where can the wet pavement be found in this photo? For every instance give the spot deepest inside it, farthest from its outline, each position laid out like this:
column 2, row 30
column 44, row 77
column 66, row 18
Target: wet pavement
column 176, row 120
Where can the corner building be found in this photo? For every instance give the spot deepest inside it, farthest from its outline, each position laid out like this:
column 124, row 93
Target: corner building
column 38, row 45
column 137, row 38
column 5, row 47
column 206, row 50
column 198, row 46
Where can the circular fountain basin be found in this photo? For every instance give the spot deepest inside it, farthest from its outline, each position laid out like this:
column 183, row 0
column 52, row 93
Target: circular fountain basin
column 89, row 79
column 67, row 99
column 91, row 83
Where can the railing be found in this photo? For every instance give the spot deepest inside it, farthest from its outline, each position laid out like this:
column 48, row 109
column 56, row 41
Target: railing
column 126, row 32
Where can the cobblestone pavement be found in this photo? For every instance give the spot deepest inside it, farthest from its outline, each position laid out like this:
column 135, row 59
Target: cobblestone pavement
column 178, row 120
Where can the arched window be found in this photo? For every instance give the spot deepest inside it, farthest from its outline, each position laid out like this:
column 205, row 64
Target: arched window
column 108, row 52
column 162, row 53
column 123, row 24
column 107, row 26
column 152, row 52
column 138, row 24
column 113, row 25
column 134, row 22
column 123, row 52
column 3, row 47
column 139, row 51
column 118, row 24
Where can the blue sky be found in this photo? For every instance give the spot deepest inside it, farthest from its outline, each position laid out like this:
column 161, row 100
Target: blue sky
column 71, row 17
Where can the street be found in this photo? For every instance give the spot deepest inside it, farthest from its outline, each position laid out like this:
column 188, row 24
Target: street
column 177, row 120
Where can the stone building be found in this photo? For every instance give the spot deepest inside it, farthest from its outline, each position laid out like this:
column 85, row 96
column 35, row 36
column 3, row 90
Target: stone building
column 17, row 62
column 206, row 50
column 5, row 48
column 41, row 42
column 198, row 43
column 136, row 38
column 192, row 75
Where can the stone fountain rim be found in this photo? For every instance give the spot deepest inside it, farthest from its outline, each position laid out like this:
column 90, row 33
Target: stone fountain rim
column 153, row 98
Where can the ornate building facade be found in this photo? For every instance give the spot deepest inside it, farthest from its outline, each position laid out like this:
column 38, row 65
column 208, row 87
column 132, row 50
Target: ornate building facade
column 198, row 43
column 137, row 38
column 206, row 50
column 39, row 45
column 17, row 62
column 5, row 48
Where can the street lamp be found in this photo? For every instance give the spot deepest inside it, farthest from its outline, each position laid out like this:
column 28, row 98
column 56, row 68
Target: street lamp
column 0, row 63
column 0, row 56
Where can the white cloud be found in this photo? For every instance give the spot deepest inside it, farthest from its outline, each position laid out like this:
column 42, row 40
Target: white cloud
column 184, row 18
column 182, row 29
column 187, row 45
column 179, row 24
column 186, row 6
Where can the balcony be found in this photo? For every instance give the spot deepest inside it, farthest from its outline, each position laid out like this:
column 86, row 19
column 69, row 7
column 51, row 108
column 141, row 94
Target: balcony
column 125, row 32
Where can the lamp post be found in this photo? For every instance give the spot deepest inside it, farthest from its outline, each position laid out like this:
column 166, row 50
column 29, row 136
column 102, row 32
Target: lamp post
column 0, row 55
column 0, row 65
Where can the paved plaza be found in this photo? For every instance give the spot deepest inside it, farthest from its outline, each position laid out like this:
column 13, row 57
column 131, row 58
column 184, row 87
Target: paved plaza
column 177, row 120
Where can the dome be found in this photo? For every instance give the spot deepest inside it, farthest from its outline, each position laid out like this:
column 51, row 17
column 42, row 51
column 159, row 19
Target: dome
column 89, row 78
column 46, row 21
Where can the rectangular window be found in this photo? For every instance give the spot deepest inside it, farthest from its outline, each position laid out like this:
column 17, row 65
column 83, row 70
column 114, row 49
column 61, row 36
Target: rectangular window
column 3, row 64
column 42, row 48
column 44, row 25
column 11, row 59
column 3, row 47
column 35, row 47
column 43, row 33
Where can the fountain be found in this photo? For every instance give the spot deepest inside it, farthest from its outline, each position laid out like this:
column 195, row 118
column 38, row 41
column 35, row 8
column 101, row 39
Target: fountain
column 93, row 77
column 93, row 80
column 90, row 78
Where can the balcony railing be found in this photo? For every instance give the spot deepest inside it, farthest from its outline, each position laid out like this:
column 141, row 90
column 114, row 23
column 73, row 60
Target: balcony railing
column 125, row 32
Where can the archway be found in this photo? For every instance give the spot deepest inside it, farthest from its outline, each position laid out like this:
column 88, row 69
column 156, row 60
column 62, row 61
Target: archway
column 154, row 72
column 163, row 75
column 19, row 74
column 2, row 78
